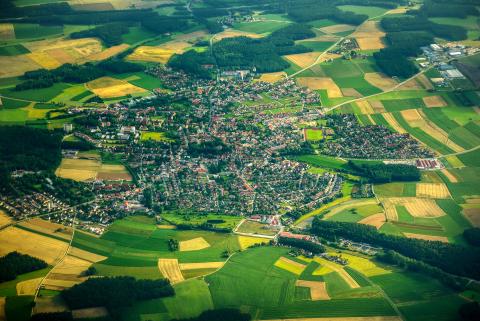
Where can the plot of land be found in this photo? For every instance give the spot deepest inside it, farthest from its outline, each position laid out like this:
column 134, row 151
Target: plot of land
column 231, row 33
column 337, row 268
column 7, row 32
column 90, row 313
column 417, row 207
column 387, row 318
column 434, row 101
column 47, row 227
column 109, row 52
column 351, row 92
column 156, row 54
column 48, row 249
column 422, row 79
column 203, row 265
column 195, row 244
column 4, row 219
column 318, row 290
column 380, row 80
column 304, row 59
column 313, row 134
column 87, row 169
column 473, row 215
column 85, row 255
column 427, row 237
column 316, row 83
column 365, row 107
column 170, row 269
column 337, row 28
column 377, row 105
column 363, row 265
column 48, row 304
column 14, row 66
column 393, row 123
column 67, row 273
column 376, row 220
column 247, row 241
column 369, row 36
column 253, row 227
column 107, row 87
column 273, row 76
column 290, row 265
column 432, row 190
column 28, row 287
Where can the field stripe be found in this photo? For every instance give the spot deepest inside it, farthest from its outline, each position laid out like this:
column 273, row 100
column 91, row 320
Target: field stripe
column 345, row 276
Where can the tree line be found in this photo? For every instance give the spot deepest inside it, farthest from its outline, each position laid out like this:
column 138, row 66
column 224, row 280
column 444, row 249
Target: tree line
column 14, row 264
column 315, row 248
column 451, row 258
column 385, row 173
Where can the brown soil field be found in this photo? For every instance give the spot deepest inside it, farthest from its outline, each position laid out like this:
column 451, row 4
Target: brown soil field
column 386, row 318
column 44, row 59
column 78, row 169
column 4, row 219
column 58, row 285
column 434, row 101
column 473, row 215
column 426, row 237
column 170, row 269
column 351, row 92
column 426, row 84
column 114, row 176
column 203, row 265
column 28, row 287
column 74, row 50
column 48, row 249
column 377, row 106
column 14, row 66
column 7, row 32
column 66, row 273
column 412, row 84
column 90, row 313
column 304, row 60
column 2, row 309
column 451, row 178
column 369, row 36
column 376, row 220
column 195, row 244
column 109, row 52
column 432, row 190
column 48, row 304
column 337, row 268
column 108, row 87
column 417, row 207
column 47, row 227
column 380, row 80
column 85, row 255
column 316, row 83
column 99, row 6
column 337, row 28
column 318, row 290
column 231, row 33
column 393, row 122
column 273, row 77
column 365, row 107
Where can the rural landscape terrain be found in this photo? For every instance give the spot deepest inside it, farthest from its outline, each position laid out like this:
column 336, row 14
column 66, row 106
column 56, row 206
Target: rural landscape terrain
column 237, row 160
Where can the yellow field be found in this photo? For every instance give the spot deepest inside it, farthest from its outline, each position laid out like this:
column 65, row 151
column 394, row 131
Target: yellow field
column 454, row 161
column 66, row 273
column 339, row 269
column 108, row 87
column 365, row 266
column 247, row 241
column 109, row 52
column 351, row 92
column 370, row 43
column 316, row 83
column 89, row 169
column 28, row 287
column 318, row 290
column 416, row 118
column 380, row 80
column 48, row 249
column 89, row 313
column 231, row 33
column 376, row 220
column 290, row 266
column 369, row 36
column 166, row 227
column 426, row 237
column 350, row 204
column 195, row 244
column 434, row 101
column 170, row 270
column 47, row 227
column 304, row 60
column 417, row 207
column 44, row 59
column 85, row 255
column 7, row 32
column 273, row 77
column 203, row 265
column 153, row 54
column 432, row 190
column 322, row 270
column 4, row 218
column 393, row 122
column 337, row 28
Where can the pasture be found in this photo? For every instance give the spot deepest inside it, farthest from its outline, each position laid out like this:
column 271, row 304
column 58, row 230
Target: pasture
column 154, row 136
column 253, row 227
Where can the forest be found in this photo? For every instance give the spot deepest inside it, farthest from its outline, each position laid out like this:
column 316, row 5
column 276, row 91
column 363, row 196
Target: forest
column 385, row 173
column 302, row 244
column 14, row 264
column 114, row 292
column 451, row 258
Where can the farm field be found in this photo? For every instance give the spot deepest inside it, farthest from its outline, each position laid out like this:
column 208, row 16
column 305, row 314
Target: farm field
column 89, row 169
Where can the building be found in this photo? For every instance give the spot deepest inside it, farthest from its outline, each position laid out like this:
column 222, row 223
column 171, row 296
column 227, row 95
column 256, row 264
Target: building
column 453, row 73
column 67, row 128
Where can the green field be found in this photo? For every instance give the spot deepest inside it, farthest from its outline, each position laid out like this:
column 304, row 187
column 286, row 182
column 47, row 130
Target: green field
column 370, row 11
column 32, row 31
column 13, row 50
column 260, row 27
column 219, row 221
column 154, row 136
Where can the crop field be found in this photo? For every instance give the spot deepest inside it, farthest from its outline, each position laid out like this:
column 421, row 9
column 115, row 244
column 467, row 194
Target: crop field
column 7, row 32
column 273, row 77
column 417, row 207
column 369, row 36
column 313, row 134
column 380, row 80
column 230, row 33
column 170, row 269
column 47, row 227
column 290, row 266
column 107, row 87
column 318, row 290
column 316, row 83
column 304, row 59
column 66, row 273
column 370, row 11
column 339, row 28
column 427, row 237
column 432, row 190
column 159, row 54
column 89, row 169
column 252, row 227
column 195, row 244
column 353, row 211
column 260, row 27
